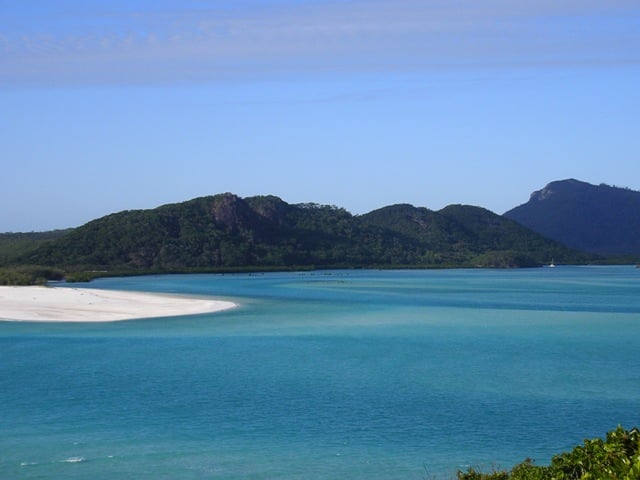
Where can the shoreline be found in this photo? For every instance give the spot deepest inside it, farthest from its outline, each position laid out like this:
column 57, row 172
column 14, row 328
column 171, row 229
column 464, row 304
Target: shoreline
column 69, row 304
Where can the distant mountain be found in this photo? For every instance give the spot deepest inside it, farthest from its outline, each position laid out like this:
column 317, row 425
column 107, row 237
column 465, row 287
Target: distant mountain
column 468, row 235
column 225, row 231
column 599, row 219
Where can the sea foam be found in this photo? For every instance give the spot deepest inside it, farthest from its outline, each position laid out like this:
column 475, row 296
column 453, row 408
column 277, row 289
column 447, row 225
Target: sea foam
column 75, row 460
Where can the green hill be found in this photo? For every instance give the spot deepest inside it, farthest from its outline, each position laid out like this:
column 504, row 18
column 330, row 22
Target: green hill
column 463, row 235
column 227, row 232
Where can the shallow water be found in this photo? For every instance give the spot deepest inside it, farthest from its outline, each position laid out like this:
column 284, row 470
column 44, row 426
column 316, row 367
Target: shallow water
column 333, row 375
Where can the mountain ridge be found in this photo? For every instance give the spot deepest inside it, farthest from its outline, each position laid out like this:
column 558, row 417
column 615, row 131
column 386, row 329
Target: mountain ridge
column 225, row 231
column 600, row 219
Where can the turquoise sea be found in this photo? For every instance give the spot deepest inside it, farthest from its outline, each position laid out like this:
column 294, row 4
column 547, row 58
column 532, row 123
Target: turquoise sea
column 327, row 375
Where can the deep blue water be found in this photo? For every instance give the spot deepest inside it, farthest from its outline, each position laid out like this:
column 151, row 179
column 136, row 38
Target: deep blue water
column 329, row 375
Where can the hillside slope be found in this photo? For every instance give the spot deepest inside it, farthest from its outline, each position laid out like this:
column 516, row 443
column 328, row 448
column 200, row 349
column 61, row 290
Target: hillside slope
column 14, row 245
column 599, row 219
column 464, row 234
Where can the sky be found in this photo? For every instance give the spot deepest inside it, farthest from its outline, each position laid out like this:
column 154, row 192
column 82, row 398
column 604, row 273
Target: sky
column 120, row 105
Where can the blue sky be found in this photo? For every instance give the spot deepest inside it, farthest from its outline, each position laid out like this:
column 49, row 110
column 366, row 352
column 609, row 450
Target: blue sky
column 106, row 106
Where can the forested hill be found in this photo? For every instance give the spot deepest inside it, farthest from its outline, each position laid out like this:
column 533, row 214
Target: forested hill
column 15, row 244
column 593, row 218
column 226, row 231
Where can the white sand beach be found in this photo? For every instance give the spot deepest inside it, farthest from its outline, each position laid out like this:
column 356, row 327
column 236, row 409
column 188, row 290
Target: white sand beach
column 62, row 304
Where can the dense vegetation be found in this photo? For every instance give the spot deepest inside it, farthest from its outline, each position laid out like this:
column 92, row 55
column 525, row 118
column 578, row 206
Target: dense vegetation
column 14, row 245
column 593, row 218
column 225, row 232
column 470, row 236
column 615, row 458
column 29, row 275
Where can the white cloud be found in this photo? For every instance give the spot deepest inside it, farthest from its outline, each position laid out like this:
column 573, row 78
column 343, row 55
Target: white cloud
column 207, row 45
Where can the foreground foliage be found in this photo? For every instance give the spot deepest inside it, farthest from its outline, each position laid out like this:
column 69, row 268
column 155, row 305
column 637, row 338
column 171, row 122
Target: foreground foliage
column 615, row 458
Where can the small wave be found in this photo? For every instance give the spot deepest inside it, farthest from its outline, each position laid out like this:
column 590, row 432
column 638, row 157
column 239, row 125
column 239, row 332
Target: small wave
column 27, row 464
column 75, row 460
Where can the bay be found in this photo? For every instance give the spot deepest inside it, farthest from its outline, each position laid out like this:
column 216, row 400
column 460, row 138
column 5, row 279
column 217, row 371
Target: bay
column 329, row 374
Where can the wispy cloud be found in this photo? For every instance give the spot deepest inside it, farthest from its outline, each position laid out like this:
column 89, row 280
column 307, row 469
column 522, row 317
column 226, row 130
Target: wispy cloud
column 176, row 45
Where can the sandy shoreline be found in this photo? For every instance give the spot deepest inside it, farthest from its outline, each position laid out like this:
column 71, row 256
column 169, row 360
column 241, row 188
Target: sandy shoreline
column 62, row 304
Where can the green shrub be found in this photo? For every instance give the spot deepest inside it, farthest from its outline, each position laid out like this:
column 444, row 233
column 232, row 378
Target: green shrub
column 615, row 458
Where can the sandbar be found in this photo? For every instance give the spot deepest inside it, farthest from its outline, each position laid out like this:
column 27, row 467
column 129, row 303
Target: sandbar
column 67, row 304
